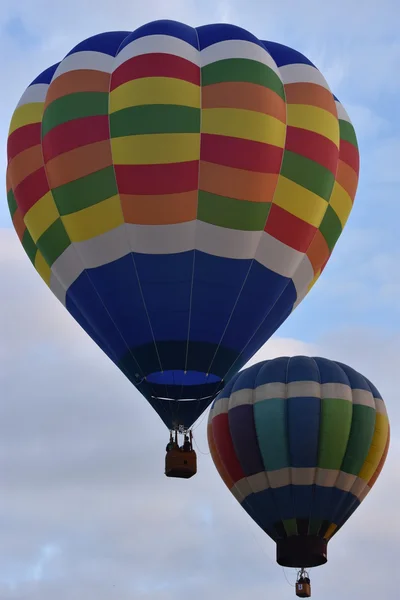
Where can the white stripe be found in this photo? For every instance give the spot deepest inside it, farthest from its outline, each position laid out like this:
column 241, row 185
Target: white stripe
column 326, row 477
column 258, row 482
column 237, row 49
column 302, row 278
column 341, row 111
column 300, row 73
column 339, row 391
column 227, row 243
column 241, row 398
column 221, row 407
column 345, row 481
column 303, row 389
column 241, row 489
column 380, row 406
column 363, row 397
column 270, row 391
column 364, row 493
column 58, row 289
column 66, row 269
column 164, row 44
column 93, row 61
column 303, row 476
column 34, row 93
column 277, row 256
column 161, row 239
column 279, row 478
column 358, row 487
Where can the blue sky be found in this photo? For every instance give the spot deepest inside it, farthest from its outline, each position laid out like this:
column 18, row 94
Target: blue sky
column 66, row 459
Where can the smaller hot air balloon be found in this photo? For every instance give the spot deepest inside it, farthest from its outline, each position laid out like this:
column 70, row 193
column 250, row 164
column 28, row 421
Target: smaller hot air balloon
column 299, row 442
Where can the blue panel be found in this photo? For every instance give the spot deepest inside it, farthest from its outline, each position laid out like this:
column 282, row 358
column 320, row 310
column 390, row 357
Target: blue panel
column 283, row 55
column 218, row 32
column 355, row 380
column 283, row 497
column 323, row 501
column 303, row 417
column 331, row 372
column 182, row 378
column 375, row 392
column 164, row 27
column 244, row 439
column 264, row 506
column 302, row 368
column 82, row 294
column 302, row 500
column 107, row 43
column 272, row 371
column 258, row 296
column 246, row 379
column 46, row 76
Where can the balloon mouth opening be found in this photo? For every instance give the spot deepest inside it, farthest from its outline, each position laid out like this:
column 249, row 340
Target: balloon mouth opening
column 301, row 552
column 180, row 377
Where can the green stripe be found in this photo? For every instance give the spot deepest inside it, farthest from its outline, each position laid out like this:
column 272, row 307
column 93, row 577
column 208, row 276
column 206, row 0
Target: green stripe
column 231, row 213
column 12, row 203
column 347, row 132
column 244, row 70
column 29, row 246
column 53, row 242
column 361, row 433
column 86, row 191
column 331, row 227
column 270, row 424
column 334, row 432
column 308, row 173
column 155, row 118
column 74, row 106
column 290, row 526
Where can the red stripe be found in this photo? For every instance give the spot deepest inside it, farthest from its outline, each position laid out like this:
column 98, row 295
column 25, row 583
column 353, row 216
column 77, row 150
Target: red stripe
column 23, row 138
column 155, row 65
column 224, row 445
column 314, row 146
column 30, row 190
column 350, row 155
column 240, row 154
column 289, row 229
column 74, row 134
column 157, row 179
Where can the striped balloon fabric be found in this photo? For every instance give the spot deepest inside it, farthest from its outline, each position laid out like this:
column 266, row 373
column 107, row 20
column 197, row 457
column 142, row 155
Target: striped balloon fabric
column 180, row 190
column 299, row 442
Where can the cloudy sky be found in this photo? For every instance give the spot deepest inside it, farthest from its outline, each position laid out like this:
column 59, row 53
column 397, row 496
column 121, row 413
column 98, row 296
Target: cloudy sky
column 85, row 509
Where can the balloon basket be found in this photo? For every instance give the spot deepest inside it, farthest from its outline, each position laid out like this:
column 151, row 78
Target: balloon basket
column 180, row 462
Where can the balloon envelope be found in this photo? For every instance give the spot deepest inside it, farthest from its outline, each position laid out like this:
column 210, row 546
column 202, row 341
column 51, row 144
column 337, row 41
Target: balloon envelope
column 299, row 442
column 180, row 190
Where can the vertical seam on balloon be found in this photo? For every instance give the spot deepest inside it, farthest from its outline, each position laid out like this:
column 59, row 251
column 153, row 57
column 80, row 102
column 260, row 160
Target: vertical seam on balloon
column 288, row 439
column 314, row 484
column 72, row 244
column 131, row 252
column 305, row 257
column 256, row 249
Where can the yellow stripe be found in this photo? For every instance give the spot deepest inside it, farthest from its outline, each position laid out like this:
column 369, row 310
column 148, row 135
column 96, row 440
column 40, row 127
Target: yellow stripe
column 300, row 202
column 314, row 119
column 42, row 214
column 42, row 268
column 95, row 220
column 331, row 530
column 377, row 447
column 155, row 149
column 341, row 203
column 155, row 90
column 25, row 115
column 245, row 124
column 316, row 276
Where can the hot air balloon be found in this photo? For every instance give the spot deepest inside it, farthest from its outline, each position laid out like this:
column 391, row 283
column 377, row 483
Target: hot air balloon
column 180, row 190
column 299, row 442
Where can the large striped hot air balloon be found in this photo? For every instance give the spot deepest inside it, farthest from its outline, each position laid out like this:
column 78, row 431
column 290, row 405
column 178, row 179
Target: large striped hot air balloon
column 299, row 442
column 180, row 190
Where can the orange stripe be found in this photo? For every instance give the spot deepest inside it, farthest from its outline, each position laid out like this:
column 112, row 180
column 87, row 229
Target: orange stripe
column 19, row 225
column 237, row 183
column 318, row 251
column 78, row 163
column 163, row 209
column 83, row 80
column 347, row 178
column 248, row 96
column 24, row 164
column 312, row 94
